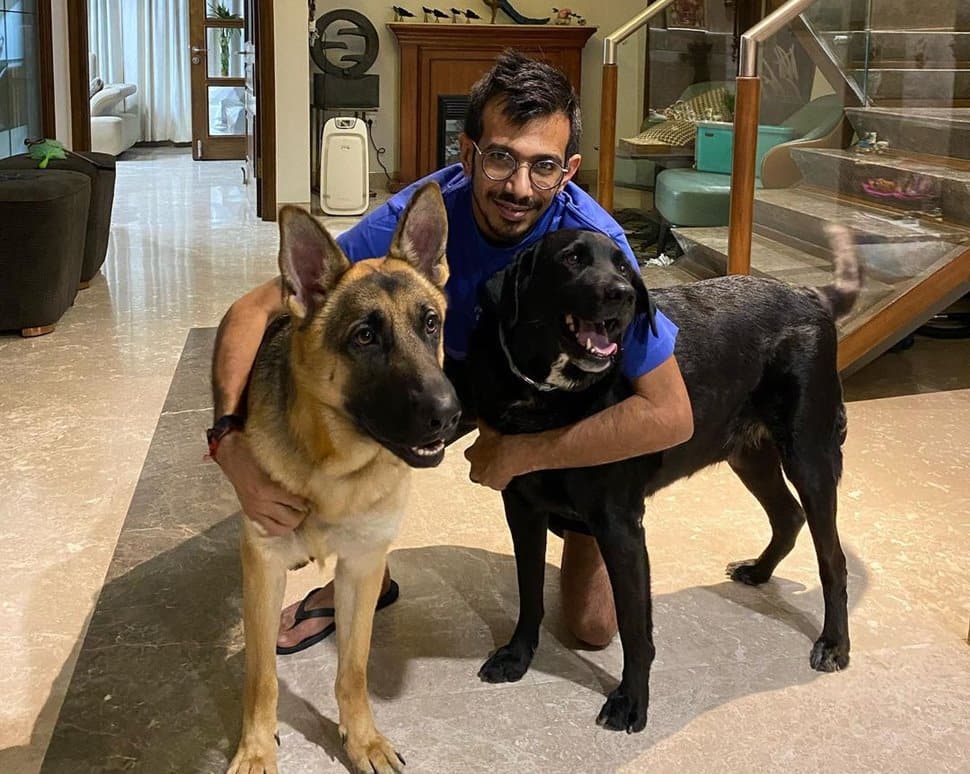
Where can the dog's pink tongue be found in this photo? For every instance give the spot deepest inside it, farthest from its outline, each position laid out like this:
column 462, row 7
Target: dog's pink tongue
column 596, row 337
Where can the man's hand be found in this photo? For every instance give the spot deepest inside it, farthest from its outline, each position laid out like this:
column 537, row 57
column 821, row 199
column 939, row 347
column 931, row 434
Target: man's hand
column 496, row 459
column 264, row 501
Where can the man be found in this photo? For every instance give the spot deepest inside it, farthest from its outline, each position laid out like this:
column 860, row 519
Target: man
column 519, row 153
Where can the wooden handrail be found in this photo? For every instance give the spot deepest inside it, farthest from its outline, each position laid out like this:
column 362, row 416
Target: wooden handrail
column 607, row 154
column 747, row 111
column 607, row 161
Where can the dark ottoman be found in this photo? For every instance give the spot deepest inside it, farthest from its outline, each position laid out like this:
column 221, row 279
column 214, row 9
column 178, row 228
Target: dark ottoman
column 43, row 218
column 100, row 168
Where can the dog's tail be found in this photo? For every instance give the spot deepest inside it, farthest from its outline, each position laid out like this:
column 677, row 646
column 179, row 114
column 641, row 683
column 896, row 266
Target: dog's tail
column 840, row 295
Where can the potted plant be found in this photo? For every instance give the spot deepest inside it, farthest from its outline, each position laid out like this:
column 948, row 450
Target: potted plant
column 226, row 34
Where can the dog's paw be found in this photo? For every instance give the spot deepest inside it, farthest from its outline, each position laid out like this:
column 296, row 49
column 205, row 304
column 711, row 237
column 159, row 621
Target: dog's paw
column 254, row 757
column 506, row 665
column 828, row 656
column 373, row 754
column 748, row 571
column 623, row 712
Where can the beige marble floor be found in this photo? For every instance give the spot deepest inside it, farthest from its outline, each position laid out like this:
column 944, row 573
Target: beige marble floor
column 732, row 688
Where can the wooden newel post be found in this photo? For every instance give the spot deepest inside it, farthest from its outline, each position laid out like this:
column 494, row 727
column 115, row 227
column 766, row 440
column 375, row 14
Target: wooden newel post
column 607, row 159
column 747, row 107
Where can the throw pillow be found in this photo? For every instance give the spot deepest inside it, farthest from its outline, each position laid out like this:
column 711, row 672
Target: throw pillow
column 96, row 85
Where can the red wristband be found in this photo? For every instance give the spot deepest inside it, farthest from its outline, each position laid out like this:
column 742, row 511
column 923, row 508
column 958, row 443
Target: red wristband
column 227, row 423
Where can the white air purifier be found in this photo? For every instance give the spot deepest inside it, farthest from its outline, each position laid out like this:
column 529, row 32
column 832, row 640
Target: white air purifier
column 344, row 167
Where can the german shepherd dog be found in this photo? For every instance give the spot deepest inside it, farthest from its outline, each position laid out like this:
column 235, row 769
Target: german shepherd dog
column 347, row 392
column 759, row 361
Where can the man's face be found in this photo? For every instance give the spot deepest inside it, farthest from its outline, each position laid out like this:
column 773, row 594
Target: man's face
column 506, row 210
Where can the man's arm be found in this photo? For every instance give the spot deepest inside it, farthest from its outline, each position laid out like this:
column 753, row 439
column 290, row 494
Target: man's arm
column 656, row 417
column 237, row 342
column 276, row 510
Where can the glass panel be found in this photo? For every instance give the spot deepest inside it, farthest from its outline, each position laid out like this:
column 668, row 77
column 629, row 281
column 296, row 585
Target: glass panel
column 19, row 83
column 842, row 29
column 898, row 177
column 225, row 9
column 227, row 110
column 223, row 45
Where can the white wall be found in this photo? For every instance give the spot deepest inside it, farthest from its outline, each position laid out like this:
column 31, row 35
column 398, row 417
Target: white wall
column 62, row 81
column 292, row 81
column 292, row 103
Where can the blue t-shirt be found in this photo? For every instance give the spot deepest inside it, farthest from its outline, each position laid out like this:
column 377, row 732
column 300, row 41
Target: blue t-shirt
column 472, row 260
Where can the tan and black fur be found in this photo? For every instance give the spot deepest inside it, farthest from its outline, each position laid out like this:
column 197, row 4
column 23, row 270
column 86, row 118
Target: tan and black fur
column 346, row 394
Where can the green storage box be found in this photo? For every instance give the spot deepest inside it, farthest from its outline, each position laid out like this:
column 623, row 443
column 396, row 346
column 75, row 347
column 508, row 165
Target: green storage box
column 715, row 143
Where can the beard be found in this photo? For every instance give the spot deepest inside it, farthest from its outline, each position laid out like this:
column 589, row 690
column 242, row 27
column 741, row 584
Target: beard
column 491, row 222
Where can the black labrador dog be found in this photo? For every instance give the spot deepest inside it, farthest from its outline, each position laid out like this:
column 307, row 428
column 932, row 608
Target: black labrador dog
column 759, row 361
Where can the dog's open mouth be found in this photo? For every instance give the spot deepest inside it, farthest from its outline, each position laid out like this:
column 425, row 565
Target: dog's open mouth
column 593, row 337
column 427, row 456
column 429, row 450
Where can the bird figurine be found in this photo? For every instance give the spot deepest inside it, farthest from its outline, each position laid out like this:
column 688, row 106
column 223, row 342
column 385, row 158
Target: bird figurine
column 428, row 13
column 400, row 14
column 439, row 14
column 455, row 15
column 470, row 14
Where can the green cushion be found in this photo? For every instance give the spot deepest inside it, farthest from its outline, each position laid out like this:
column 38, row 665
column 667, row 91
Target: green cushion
column 686, row 197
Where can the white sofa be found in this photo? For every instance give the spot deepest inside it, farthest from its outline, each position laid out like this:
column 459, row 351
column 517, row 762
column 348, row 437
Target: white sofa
column 115, row 126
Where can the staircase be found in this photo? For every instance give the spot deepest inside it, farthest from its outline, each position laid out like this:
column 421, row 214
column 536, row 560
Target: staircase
column 908, row 206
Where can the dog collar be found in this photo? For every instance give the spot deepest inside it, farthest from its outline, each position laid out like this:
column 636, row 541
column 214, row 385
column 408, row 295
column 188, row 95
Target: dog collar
column 541, row 386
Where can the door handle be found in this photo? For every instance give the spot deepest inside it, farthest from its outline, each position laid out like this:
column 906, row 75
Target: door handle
column 197, row 49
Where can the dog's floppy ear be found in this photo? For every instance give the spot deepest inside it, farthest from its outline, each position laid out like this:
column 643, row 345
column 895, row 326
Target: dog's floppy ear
column 422, row 234
column 644, row 301
column 518, row 275
column 310, row 261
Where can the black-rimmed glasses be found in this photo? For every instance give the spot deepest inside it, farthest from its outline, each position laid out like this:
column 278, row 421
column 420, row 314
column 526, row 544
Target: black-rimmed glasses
column 500, row 165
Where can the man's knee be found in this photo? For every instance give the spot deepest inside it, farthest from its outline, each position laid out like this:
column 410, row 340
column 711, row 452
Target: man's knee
column 587, row 596
column 592, row 625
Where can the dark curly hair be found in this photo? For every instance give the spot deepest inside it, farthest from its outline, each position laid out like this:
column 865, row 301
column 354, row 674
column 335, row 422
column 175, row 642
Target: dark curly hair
column 528, row 89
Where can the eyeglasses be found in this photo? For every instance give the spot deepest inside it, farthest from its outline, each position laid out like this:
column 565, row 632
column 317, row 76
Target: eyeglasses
column 499, row 165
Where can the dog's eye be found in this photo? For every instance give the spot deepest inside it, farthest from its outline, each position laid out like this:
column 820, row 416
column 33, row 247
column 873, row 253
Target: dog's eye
column 431, row 324
column 364, row 337
column 572, row 259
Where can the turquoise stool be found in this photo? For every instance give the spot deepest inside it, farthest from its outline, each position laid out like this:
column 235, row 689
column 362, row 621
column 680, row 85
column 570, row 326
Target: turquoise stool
column 686, row 197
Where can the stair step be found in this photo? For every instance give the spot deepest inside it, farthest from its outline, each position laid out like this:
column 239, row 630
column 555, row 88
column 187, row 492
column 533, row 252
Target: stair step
column 894, row 48
column 664, row 276
column 937, row 131
column 915, row 86
column 802, row 214
column 896, row 15
column 891, row 180
column 771, row 258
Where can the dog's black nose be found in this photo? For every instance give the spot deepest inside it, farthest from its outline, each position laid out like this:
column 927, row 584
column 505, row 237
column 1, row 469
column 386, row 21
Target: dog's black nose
column 437, row 409
column 618, row 292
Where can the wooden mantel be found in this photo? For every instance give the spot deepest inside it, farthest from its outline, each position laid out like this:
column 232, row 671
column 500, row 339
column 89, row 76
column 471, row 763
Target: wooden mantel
column 446, row 59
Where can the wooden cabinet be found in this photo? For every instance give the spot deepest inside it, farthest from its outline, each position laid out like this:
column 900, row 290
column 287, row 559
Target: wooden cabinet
column 446, row 59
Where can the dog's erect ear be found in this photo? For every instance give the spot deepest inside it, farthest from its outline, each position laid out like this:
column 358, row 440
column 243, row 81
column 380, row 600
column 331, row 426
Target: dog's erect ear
column 644, row 302
column 310, row 262
column 422, row 234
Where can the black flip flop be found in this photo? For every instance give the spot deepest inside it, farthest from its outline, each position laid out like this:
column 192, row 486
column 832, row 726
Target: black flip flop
column 302, row 614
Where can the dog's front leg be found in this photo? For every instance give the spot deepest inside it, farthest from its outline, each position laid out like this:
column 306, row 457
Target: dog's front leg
column 621, row 542
column 357, row 585
column 510, row 662
column 264, row 579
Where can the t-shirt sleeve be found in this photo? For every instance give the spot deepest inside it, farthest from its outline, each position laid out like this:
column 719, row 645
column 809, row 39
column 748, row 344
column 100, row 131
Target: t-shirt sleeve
column 642, row 350
column 371, row 237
